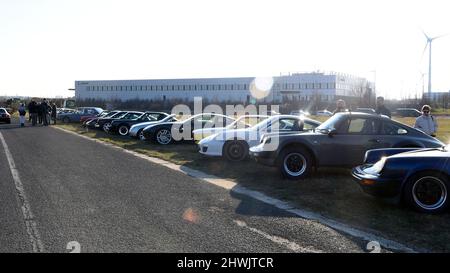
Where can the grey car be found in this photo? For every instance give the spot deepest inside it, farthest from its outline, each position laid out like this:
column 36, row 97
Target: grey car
column 341, row 141
column 76, row 116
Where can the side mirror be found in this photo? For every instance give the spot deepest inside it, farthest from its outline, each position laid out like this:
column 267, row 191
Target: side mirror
column 332, row 132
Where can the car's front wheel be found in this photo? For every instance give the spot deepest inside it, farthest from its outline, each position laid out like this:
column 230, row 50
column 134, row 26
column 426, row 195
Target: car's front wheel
column 235, row 150
column 427, row 192
column 163, row 136
column 295, row 163
column 123, row 130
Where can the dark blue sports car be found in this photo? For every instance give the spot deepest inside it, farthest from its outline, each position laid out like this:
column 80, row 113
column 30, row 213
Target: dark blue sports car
column 418, row 177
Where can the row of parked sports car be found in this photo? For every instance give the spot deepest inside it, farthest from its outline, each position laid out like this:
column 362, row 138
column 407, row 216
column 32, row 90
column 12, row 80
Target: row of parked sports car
column 392, row 160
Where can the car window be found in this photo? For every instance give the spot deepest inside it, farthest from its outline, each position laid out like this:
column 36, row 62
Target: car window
column 2, row 111
column 149, row 117
column 153, row 117
column 390, row 128
column 203, row 118
column 286, row 124
column 208, row 121
column 308, row 125
column 131, row 116
column 361, row 126
column 117, row 115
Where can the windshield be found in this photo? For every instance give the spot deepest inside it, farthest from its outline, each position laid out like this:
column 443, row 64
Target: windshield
column 246, row 121
column 330, row 123
column 262, row 124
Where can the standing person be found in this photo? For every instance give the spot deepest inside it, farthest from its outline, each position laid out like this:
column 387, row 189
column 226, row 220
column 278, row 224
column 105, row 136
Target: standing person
column 45, row 109
column 340, row 107
column 40, row 112
column 29, row 113
column 381, row 108
column 33, row 110
column 426, row 122
column 22, row 113
column 54, row 113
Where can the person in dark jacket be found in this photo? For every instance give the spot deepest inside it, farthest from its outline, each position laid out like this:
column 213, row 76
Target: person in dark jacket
column 381, row 108
column 29, row 113
column 54, row 113
column 40, row 112
column 45, row 111
column 33, row 110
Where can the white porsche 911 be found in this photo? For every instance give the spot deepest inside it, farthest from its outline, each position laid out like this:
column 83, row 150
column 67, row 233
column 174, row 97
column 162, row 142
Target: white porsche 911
column 242, row 122
column 234, row 144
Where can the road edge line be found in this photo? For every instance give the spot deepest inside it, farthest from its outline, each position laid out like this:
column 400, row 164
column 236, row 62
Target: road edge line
column 28, row 217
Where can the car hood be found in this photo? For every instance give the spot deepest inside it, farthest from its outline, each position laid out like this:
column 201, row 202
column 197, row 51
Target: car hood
column 122, row 120
column 237, row 133
column 434, row 152
column 287, row 134
column 209, row 130
column 165, row 123
column 144, row 124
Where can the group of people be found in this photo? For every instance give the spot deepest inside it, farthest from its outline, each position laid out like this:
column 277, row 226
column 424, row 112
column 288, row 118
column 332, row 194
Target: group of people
column 39, row 113
column 426, row 122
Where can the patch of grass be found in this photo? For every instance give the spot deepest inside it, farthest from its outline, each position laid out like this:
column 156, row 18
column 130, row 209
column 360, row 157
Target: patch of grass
column 330, row 192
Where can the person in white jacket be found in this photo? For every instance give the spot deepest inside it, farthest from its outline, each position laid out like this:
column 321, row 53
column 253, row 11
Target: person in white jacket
column 426, row 122
column 22, row 113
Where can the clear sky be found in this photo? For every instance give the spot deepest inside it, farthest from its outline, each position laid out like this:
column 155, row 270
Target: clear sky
column 45, row 45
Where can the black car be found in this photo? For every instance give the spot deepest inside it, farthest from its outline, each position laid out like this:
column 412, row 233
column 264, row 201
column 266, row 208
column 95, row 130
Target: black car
column 122, row 126
column 161, row 133
column 85, row 120
column 407, row 112
column 105, row 123
column 419, row 177
column 341, row 141
column 90, row 123
column 5, row 116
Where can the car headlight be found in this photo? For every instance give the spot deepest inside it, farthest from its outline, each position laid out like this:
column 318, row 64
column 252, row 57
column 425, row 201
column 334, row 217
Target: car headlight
column 266, row 140
column 376, row 168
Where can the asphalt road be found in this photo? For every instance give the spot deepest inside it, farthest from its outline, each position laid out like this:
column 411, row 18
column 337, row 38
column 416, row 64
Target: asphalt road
column 111, row 201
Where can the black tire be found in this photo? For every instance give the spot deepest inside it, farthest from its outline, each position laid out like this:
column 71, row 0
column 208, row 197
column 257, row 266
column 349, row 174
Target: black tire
column 235, row 150
column 66, row 120
column 295, row 163
column 123, row 130
column 163, row 136
column 140, row 135
column 427, row 192
column 106, row 127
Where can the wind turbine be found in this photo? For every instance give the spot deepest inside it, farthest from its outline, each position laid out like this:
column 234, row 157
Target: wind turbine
column 429, row 42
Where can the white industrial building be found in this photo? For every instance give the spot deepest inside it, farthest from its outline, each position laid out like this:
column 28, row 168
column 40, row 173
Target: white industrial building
column 325, row 87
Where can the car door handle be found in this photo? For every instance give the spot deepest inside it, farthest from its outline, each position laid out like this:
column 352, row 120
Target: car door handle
column 374, row 141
